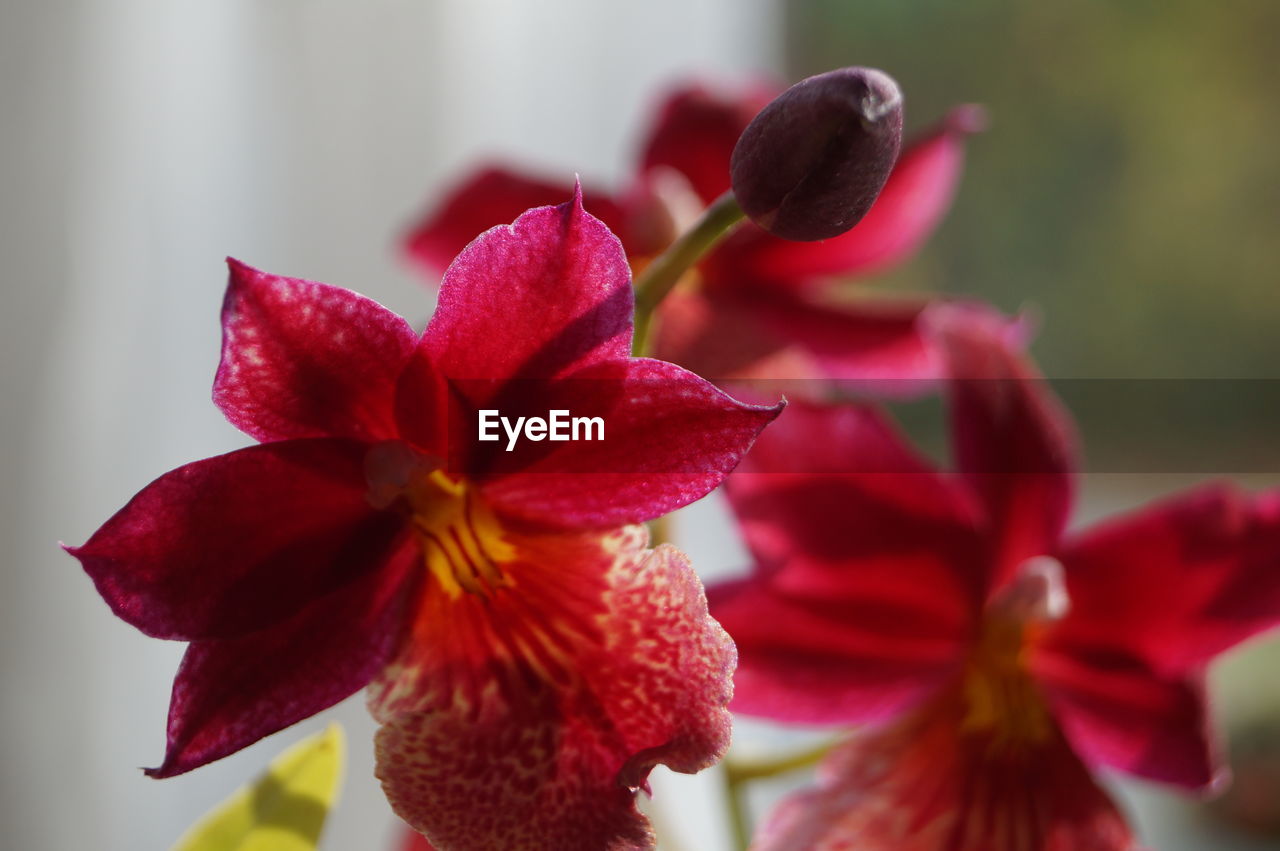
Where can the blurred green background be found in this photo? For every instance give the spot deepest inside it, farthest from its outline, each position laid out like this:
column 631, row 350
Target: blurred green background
column 1128, row 185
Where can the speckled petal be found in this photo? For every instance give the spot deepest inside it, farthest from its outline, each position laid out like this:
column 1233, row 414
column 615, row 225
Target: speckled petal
column 304, row 359
column 530, row 719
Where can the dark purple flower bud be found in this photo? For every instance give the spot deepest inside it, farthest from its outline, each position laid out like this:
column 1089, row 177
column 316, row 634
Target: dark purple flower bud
column 811, row 164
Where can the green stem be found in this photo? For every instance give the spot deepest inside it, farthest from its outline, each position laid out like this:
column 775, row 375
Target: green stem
column 738, row 773
column 741, row 770
column 661, row 531
column 660, row 276
column 739, row 818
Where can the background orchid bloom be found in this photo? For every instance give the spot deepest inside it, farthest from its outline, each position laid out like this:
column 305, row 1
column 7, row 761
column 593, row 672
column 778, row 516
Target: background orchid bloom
column 528, row 658
column 410, row 840
column 994, row 659
column 757, row 306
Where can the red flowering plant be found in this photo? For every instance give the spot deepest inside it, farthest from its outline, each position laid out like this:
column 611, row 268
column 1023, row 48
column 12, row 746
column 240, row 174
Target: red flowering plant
column 759, row 304
column 528, row 658
column 993, row 659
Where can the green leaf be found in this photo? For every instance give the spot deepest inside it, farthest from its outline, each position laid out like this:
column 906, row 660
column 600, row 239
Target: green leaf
column 285, row 809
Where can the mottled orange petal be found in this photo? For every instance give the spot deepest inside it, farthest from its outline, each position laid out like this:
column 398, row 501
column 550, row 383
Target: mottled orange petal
column 528, row 718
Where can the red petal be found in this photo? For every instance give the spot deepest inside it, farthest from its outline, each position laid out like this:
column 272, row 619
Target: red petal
column 733, row 335
column 1012, row 439
column 725, row 336
column 721, row 337
column 868, row 577
column 837, row 482
column 532, row 718
column 424, row 413
column 230, row 693
column 669, row 438
column 877, row 342
column 302, row 359
column 233, row 543
column 854, row 659
column 492, row 196
column 927, row 785
column 411, row 840
column 1118, row 713
column 546, row 295
column 915, row 198
column 1178, row 582
column 696, row 131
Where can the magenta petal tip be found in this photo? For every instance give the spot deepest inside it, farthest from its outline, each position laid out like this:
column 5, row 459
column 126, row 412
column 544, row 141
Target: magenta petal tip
column 966, row 119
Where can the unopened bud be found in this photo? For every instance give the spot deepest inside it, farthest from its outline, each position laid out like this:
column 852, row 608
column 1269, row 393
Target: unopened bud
column 811, row 164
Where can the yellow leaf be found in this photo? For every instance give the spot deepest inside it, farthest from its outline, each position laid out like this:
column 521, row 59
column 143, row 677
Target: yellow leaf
column 284, row 810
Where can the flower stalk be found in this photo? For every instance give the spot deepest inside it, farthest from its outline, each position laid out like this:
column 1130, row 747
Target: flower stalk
column 661, row 276
column 738, row 773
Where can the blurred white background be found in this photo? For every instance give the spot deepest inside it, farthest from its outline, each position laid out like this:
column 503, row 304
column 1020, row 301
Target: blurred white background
column 144, row 140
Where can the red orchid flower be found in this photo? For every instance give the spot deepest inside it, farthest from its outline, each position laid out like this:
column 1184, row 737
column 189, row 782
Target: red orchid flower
column 529, row 660
column 993, row 658
column 761, row 305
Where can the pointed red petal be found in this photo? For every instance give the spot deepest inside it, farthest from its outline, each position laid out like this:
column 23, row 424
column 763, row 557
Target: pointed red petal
column 492, row 196
column 1177, row 582
column 696, row 130
column 233, row 543
column 669, row 438
column 539, row 298
column 1117, row 712
column 926, row 785
column 303, row 359
column 531, row 720
column 230, row 693
column 915, row 198
column 1011, row 437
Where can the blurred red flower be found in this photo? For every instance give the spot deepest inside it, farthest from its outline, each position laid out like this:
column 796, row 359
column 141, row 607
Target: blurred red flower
column 493, row 601
column 993, row 658
column 757, row 306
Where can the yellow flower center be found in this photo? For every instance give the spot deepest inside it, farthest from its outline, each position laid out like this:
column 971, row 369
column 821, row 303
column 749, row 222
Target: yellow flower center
column 1001, row 699
column 462, row 543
